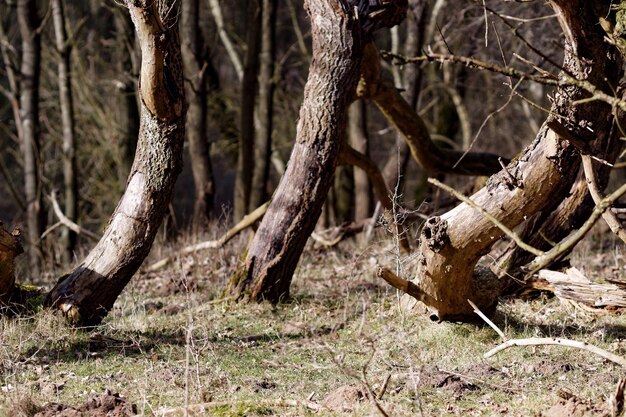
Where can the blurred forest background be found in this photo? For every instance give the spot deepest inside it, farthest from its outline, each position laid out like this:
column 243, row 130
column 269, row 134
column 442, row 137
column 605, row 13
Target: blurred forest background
column 245, row 76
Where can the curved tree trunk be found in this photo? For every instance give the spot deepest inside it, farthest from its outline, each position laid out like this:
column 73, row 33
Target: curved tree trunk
column 88, row 293
column 199, row 147
column 297, row 202
column 452, row 244
column 30, row 69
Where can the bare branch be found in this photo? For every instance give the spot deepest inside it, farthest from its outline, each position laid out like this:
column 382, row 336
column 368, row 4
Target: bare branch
column 539, row 341
column 67, row 222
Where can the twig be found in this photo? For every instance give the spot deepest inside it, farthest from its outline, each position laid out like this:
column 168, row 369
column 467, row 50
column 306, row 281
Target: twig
column 68, row 223
column 486, row 320
column 405, row 286
column 540, row 341
column 247, row 221
column 489, row 217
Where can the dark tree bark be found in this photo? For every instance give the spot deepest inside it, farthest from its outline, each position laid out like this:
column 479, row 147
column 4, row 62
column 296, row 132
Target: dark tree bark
column 452, row 244
column 194, row 50
column 88, row 293
column 297, row 203
column 358, row 138
column 70, row 183
column 28, row 20
column 245, row 158
column 263, row 140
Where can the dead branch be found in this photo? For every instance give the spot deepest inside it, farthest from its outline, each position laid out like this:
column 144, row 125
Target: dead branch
column 541, row 341
column 404, row 285
column 609, row 217
column 67, row 222
column 247, row 221
column 547, row 79
column 573, row 285
column 487, row 320
column 413, row 129
column 555, row 253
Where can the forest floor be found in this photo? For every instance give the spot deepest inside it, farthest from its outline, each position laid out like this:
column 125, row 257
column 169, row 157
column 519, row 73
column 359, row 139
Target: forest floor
column 340, row 342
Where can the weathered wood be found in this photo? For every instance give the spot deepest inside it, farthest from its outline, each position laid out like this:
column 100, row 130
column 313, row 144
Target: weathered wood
column 574, row 285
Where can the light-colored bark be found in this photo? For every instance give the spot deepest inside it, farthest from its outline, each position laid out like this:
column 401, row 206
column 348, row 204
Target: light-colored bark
column 89, row 291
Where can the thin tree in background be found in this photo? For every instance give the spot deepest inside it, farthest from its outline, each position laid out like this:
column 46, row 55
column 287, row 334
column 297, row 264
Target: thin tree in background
column 263, row 139
column 70, row 184
column 245, row 157
column 193, row 52
column 358, row 138
column 30, row 68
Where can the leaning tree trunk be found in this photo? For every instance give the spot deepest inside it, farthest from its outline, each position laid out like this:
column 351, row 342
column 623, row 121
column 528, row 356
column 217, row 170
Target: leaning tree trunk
column 193, row 50
column 452, row 244
column 28, row 21
column 88, row 293
column 297, row 202
column 70, row 189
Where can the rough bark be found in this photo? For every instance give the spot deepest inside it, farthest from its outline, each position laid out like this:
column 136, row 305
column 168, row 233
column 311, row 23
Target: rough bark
column 297, row 202
column 358, row 138
column 452, row 244
column 263, row 139
column 88, row 293
column 193, row 51
column 70, row 184
column 245, row 158
column 28, row 21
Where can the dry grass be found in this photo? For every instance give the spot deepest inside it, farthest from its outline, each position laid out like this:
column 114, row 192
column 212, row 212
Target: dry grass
column 171, row 341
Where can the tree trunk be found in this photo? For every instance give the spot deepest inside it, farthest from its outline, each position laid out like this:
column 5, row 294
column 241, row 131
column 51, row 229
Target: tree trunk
column 297, row 202
column 245, row 158
column 263, row 142
column 358, row 137
column 452, row 244
column 28, row 21
column 67, row 119
column 193, row 50
column 88, row 293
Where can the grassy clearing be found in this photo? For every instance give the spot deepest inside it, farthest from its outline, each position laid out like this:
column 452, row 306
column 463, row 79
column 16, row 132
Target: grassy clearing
column 170, row 341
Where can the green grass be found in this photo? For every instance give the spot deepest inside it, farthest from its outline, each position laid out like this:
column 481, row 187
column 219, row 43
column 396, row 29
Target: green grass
column 340, row 324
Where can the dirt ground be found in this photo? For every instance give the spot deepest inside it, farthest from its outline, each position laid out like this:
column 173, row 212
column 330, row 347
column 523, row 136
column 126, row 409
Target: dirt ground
column 340, row 346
